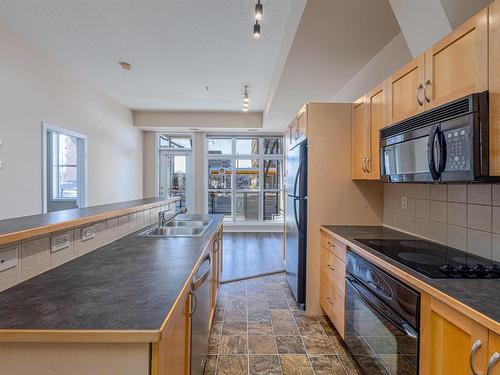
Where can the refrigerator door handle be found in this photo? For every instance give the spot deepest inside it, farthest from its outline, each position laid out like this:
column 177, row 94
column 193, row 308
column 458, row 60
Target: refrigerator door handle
column 297, row 180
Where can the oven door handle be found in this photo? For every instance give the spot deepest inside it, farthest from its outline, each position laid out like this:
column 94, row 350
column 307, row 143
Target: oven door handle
column 402, row 326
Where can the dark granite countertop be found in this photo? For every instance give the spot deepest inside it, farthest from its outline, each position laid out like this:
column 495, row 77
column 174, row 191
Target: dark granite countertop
column 482, row 295
column 25, row 224
column 129, row 284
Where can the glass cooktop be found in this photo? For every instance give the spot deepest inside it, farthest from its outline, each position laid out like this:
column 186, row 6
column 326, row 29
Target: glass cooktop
column 434, row 260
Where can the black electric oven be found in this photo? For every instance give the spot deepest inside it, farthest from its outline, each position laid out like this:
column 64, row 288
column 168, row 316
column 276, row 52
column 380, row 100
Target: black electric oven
column 449, row 143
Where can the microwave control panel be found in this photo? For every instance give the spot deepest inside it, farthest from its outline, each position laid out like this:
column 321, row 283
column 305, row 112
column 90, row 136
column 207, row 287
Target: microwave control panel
column 458, row 147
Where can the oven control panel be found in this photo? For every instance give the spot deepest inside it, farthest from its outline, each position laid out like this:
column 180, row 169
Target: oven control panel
column 458, row 145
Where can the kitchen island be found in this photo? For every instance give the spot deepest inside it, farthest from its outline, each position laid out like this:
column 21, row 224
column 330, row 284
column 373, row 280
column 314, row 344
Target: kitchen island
column 123, row 308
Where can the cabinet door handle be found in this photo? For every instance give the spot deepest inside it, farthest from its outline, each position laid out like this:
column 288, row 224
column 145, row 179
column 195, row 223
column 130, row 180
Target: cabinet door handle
column 493, row 360
column 420, row 102
column 364, row 165
column 329, row 300
column 427, row 83
column 473, row 351
column 367, row 165
column 330, row 267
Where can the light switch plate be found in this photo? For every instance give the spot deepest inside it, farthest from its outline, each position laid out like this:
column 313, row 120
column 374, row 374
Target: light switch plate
column 8, row 259
column 87, row 233
column 60, row 242
column 404, row 202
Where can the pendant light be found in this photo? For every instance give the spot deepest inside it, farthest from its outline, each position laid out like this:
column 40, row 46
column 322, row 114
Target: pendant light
column 259, row 11
column 246, row 100
column 256, row 30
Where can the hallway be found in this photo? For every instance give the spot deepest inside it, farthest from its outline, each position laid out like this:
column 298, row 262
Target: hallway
column 248, row 254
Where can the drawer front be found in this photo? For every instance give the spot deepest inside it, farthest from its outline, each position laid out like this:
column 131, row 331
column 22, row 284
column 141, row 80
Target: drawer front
column 333, row 302
column 333, row 267
column 336, row 247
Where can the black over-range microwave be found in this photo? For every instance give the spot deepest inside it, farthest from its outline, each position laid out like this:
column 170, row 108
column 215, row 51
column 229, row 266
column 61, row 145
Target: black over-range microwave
column 446, row 144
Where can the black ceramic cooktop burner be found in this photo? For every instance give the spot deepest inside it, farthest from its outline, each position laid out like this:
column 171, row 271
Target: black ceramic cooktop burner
column 434, row 260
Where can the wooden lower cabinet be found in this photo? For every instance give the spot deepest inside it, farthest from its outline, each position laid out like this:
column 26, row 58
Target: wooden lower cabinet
column 171, row 354
column 332, row 280
column 493, row 354
column 451, row 343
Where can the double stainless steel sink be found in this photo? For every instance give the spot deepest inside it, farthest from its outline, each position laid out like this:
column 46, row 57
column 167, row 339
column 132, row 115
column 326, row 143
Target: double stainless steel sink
column 178, row 228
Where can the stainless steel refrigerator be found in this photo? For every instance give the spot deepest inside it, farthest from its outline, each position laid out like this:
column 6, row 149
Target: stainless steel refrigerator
column 296, row 221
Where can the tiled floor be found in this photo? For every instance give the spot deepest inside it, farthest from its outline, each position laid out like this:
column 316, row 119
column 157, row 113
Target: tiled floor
column 259, row 330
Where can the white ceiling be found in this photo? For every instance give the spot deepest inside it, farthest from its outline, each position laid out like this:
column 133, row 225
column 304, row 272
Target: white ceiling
column 334, row 40
column 176, row 48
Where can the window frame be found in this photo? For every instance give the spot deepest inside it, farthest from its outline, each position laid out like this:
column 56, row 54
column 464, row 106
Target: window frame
column 233, row 156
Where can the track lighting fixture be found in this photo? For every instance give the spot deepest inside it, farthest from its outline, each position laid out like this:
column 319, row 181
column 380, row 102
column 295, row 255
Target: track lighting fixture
column 259, row 11
column 256, row 30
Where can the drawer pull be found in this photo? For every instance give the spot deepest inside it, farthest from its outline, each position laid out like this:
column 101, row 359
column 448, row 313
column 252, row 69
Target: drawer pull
column 330, row 267
column 329, row 300
column 473, row 351
column 331, row 243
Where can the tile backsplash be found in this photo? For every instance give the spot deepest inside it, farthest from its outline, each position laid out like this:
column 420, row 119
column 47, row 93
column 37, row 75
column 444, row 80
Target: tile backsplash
column 465, row 217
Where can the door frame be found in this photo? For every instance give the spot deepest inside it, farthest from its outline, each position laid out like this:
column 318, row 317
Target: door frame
column 83, row 182
column 190, row 168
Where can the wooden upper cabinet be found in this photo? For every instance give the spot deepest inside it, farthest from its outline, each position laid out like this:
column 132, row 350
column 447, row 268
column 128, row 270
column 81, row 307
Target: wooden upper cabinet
column 360, row 138
column 378, row 120
column 457, row 65
column 302, row 124
column 494, row 87
column 405, row 91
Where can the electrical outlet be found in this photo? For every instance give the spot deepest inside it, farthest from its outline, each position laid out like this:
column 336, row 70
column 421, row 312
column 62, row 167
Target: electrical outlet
column 60, row 242
column 8, row 259
column 88, row 233
column 404, row 202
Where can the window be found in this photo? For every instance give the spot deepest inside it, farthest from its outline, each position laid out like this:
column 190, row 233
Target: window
column 172, row 142
column 64, row 174
column 245, row 178
column 63, row 169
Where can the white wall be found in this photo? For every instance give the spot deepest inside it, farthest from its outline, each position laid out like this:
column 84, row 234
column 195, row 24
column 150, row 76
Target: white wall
column 389, row 59
column 35, row 88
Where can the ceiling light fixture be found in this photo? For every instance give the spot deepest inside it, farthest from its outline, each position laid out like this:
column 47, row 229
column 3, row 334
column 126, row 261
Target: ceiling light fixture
column 259, row 11
column 256, row 30
column 246, row 99
column 125, row 65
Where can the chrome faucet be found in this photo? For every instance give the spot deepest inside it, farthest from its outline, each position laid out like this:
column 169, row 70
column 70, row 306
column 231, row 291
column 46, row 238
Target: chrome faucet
column 163, row 221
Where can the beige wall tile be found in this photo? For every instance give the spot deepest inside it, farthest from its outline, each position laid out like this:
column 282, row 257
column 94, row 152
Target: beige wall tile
column 140, row 219
column 423, row 208
column 438, row 232
column 398, row 221
column 100, row 238
column 399, row 190
column 11, row 276
column 123, row 226
column 35, row 257
column 457, row 193
column 387, row 218
column 112, row 232
column 410, row 207
column 409, row 190
column 457, row 214
column 387, row 204
column 423, row 228
column 64, row 255
column 479, row 217
column 438, row 192
column 396, row 205
column 438, row 211
column 495, row 194
column 423, row 191
column 495, row 219
column 409, row 224
column 479, row 243
column 387, row 190
column 81, row 247
column 495, row 247
column 456, row 237
column 479, row 194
